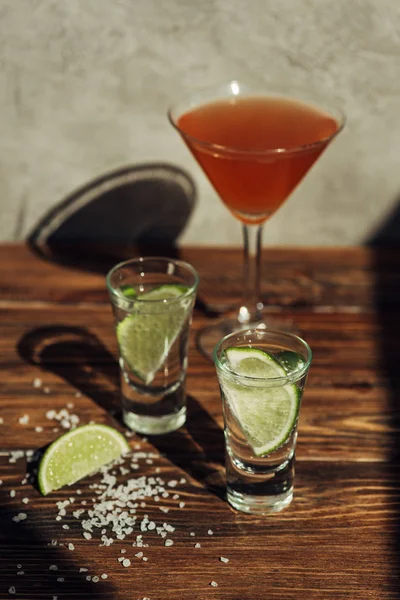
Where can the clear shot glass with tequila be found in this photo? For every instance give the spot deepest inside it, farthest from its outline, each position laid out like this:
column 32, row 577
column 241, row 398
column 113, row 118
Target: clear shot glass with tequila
column 152, row 301
column 262, row 375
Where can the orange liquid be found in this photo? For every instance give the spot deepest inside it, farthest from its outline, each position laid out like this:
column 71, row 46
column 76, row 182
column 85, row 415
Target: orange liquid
column 253, row 185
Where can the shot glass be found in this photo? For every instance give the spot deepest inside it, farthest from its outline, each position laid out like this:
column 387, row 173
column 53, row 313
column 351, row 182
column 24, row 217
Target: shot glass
column 152, row 301
column 262, row 374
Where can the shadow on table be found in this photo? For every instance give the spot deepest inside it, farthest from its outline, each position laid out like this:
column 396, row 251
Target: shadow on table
column 116, row 216
column 385, row 246
column 77, row 356
column 21, row 545
column 201, row 453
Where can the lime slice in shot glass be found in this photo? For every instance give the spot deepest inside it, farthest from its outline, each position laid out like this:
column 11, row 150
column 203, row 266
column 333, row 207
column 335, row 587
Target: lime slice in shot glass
column 78, row 453
column 145, row 337
column 266, row 414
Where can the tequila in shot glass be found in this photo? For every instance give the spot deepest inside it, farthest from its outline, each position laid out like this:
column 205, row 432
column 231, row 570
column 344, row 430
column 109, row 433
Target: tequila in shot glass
column 152, row 300
column 262, row 374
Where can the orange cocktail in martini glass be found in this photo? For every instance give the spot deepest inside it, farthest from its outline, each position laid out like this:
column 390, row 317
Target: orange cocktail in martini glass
column 255, row 148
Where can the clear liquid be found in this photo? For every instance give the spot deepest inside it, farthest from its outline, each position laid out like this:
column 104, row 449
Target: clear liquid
column 160, row 405
column 260, row 484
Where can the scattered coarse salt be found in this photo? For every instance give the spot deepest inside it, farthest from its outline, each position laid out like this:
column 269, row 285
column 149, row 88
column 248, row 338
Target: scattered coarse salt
column 87, row 535
column 50, row 414
column 60, row 579
column 223, row 559
column 19, row 517
column 192, row 534
column 181, row 505
column 71, row 546
column 46, row 390
column 24, row 420
column 123, row 551
column 197, row 545
column 37, row 382
column 1, row 420
column 12, row 493
column 20, row 572
column 214, row 584
column 12, row 590
column 88, row 578
column 182, row 480
column 19, row 566
column 1, row 482
column 78, row 395
column 139, row 554
column 53, row 568
column 126, row 562
column 65, row 526
column 38, row 429
column 70, row 405
column 104, row 575
column 210, row 532
column 168, row 543
column 95, row 579
column 25, row 500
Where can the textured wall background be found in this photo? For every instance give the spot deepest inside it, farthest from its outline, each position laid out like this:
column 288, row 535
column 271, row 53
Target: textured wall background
column 84, row 87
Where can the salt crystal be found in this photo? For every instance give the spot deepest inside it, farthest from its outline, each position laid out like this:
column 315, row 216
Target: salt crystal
column 126, row 562
column 50, row 414
column 53, row 568
column 46, row 390
column 104, row 575
column 20, row 572
column 87, row 535
column 145, row 558
column 1, row 420
column 223, row 559
column 95, row 579
column 78, row 395
column 192, row 534
column 65, row 526
column 197, row 545
column 24, row 420
column 12, row 590
column 70, row 405
column 182, row 480
column 25, row 500
column 172, row 483
column 214, row 584
column 12, row 493
column 139, row 554
column 38, row 429
column 88, row 578
column 181, row 504
column 210, row 532
column 168, row 543
column 37, row 382
column 123, row 551
column 82, row 570
column 60, row 579
column 71, row 547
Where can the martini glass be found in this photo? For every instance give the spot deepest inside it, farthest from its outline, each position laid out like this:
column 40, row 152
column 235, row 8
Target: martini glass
column 254, row 147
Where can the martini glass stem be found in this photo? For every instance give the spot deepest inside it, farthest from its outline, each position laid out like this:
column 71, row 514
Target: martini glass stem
column 251, row 308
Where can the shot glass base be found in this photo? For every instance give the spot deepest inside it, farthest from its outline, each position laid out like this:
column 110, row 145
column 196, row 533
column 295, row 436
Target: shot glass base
column 154, row 425
column 259, row 505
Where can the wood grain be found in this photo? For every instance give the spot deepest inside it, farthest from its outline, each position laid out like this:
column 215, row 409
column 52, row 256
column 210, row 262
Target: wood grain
column 338, row 539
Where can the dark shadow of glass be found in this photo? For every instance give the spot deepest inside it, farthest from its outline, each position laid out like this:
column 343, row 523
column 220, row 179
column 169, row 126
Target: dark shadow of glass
column 24, row 549
column 198, row 449
column 135, row 207
column 77, row 356
column 385, row 245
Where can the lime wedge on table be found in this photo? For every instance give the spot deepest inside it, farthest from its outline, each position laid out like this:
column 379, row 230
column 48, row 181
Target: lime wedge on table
column 266, row 415
column 146, row 336
column 79, row 453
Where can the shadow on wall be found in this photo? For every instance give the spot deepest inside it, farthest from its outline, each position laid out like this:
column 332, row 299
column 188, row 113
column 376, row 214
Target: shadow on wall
column 385, row 262
column 140, row 206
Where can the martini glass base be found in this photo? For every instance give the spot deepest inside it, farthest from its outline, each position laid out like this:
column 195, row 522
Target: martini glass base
column 208, row 337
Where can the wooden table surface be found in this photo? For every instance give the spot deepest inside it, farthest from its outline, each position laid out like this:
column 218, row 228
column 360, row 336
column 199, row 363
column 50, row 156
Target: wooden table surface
column 340, row 538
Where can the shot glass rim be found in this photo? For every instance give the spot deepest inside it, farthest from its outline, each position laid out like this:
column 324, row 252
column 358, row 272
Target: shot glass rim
column 142, row 259
column 294, row 375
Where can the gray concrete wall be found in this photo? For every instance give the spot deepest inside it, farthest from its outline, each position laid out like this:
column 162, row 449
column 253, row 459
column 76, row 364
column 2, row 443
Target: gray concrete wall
column 84, row 87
